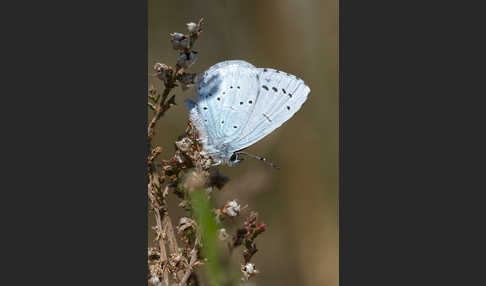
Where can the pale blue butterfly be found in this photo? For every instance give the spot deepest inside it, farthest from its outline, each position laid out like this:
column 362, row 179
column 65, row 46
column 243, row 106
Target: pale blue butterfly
column 238, row 104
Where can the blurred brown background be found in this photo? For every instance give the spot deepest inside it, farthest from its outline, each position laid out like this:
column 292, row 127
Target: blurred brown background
column 299, row 202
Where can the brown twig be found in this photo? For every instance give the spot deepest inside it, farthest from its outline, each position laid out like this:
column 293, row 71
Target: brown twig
column 192, row 262
column 160, row 110
column 158, row 198
column 169, row 77
column 171, row 239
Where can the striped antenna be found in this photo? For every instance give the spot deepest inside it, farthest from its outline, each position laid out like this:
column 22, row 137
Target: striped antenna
column 261, row 159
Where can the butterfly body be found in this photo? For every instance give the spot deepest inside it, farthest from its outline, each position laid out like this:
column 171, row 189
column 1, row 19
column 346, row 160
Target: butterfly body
column 238, row 104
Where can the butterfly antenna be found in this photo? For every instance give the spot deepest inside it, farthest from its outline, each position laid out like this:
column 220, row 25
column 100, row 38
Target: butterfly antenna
column 261, row 159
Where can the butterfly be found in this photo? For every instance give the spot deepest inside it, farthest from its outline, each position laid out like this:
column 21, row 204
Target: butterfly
column 237, row 104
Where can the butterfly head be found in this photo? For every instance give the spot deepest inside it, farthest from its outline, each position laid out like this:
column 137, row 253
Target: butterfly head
column 234, row 160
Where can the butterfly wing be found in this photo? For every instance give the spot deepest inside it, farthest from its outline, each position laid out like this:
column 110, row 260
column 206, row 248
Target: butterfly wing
column 227, row 94
column 280, row 96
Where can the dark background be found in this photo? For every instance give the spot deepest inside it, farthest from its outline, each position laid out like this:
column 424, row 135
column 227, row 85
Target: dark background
column 299, row 202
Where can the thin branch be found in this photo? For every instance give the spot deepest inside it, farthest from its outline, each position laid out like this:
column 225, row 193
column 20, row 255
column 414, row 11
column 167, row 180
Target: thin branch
column 160, row 110
column 192, row 262
column 171, row 239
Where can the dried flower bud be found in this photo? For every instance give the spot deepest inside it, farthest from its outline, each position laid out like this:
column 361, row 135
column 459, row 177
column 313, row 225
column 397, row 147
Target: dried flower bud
column 177, row 36
column 152, row 90
column 185, row 223
column 163, row 71
column 191, row 27
column 249, row 270
column 179, row 41
column 261, row 227
column 231, row 208
column 186, row 60
column 175, row 259
column 183, row 44
column 167, row 168
column 184, row 144
column 155, row 281
column 153, row 254
column 159, row 67
column 179, row 158
column 187, row 80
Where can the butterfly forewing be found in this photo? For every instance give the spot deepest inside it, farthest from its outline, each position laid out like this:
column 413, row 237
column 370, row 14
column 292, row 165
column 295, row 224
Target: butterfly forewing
column 226, row 96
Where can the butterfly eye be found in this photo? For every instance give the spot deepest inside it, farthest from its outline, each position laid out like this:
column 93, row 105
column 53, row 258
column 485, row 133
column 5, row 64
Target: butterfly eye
column 233, row 157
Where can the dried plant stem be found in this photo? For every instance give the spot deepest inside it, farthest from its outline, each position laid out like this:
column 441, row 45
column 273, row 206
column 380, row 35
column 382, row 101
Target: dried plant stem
column 163, row 253
column 164, row 226
column 160, row 110
column 169, row 231
column 192, row 262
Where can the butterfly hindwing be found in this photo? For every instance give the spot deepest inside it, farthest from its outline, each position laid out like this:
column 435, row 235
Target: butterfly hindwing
column 281, row 95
